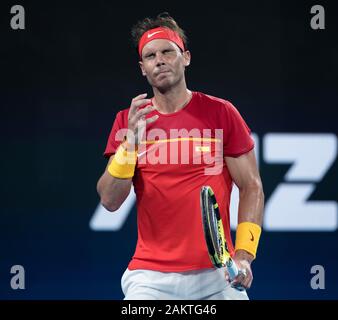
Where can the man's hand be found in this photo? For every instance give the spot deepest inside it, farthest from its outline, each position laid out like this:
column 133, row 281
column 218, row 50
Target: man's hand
column 136, row 119
column 243, row 261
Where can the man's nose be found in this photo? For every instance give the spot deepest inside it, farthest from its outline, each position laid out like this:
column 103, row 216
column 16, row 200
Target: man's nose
column 159, row 59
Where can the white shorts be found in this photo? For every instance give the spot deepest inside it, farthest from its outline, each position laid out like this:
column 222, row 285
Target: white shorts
column 204, row 284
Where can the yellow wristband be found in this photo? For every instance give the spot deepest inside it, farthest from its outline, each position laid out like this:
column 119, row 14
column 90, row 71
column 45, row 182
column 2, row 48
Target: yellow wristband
column 123, row 164
column 247, row 237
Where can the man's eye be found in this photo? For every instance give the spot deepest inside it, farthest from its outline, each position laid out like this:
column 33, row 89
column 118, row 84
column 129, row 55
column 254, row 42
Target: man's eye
column 151, row 55
column 166, row 51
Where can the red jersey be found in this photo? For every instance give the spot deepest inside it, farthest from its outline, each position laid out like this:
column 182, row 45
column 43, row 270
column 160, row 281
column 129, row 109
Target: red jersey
column 180, row 153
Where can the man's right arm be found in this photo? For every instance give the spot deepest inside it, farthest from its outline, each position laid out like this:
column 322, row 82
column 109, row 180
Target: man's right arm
column 113, row 191
column 115, row 183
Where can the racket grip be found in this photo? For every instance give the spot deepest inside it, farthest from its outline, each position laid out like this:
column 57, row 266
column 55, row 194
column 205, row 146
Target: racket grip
column 232, row 269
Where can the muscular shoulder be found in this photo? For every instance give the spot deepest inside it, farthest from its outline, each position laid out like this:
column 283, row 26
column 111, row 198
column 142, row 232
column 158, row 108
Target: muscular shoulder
column 215, row 103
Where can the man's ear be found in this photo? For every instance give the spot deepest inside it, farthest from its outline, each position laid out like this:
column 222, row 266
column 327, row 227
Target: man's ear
column 142, row 68
column 187, row 58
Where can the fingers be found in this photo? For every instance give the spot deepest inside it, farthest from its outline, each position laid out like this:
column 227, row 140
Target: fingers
column 247, row 280
column 227, row 277
column 140, row 96
column 136, row 114
column 247, row 284
column 137, row 117
column 137, row 102
column 143, row 112
column 244, row 279
column 152, row 119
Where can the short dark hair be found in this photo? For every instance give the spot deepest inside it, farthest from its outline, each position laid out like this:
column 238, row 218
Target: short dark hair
column 162, row 20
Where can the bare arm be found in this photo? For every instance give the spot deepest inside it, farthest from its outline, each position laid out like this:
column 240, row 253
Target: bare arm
column 244, row 172
column 113, row 191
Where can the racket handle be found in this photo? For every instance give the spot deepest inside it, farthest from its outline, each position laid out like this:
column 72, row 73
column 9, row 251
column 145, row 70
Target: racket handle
column 233, row 273
column 232, row 269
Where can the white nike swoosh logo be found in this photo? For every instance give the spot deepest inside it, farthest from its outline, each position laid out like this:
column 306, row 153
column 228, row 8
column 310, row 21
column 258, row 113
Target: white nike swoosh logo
column 142, row 153
column 151, row 34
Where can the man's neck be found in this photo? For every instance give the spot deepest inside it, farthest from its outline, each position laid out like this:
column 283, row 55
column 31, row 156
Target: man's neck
column 172, row 100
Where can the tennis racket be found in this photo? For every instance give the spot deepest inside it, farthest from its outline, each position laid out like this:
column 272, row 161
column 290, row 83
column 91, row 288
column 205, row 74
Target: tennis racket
column 214, row 234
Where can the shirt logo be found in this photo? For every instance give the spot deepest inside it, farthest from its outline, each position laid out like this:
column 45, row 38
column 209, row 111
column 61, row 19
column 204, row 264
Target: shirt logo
column 151, row 34
column 141, row 153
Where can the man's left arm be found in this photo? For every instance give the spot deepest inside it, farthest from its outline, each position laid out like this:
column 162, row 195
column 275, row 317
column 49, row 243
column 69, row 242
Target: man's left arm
column 245, row 174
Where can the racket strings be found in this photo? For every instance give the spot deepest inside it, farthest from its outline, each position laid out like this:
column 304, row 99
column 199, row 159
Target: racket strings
column 214, row 226
column 214, row 233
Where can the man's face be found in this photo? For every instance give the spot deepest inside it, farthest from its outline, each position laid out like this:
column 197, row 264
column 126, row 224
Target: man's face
column 163, row 63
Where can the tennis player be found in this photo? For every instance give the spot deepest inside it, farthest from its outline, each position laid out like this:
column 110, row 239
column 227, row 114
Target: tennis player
column 168, row 146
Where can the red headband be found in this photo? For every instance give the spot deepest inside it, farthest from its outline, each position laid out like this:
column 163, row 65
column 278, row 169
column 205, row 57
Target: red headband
column 160, row 33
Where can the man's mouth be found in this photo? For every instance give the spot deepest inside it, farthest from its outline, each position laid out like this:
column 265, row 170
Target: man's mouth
column 163, row 72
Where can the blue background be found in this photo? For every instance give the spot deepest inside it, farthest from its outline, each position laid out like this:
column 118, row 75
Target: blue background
column 64, row 78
